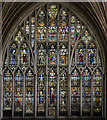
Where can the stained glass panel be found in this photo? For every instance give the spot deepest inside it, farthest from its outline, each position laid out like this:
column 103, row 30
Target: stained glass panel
column 97, row 93
column 18, row 93
column 52, row 92
column 41, row 29
column 41, row 56
column 33, row 32
column 75, row 93
column 24, row 56
column 86, row 93
column 52, row 58
column 92, row 60
column 63, row 29
column 63, row 55
column 53, row 11
column 63, row 93
column 19, row 37
column 27, row 27
column 86, row 36
column 41, row 92
column 81, row 55
column 52, row 31
column 29, row 93
column 7, row 90
column 72, row 31
column 13, row 55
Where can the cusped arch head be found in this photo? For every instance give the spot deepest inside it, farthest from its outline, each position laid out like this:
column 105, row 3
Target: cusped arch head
column 92, row 43
column 7, row 69
column 29, row 69
column 76, row 70
column 18, row 69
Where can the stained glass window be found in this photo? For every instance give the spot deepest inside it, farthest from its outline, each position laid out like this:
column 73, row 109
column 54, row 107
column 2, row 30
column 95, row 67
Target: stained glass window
column 52, row 66
column 7, row 92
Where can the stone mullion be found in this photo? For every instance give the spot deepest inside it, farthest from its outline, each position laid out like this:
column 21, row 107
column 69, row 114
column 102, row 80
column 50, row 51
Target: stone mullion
column 23, row 94
column 69, row 67
column 35, row 64
column 13, row 96
column 58, row 64
column 47, row 62
column 81, row 94
column 91, row 95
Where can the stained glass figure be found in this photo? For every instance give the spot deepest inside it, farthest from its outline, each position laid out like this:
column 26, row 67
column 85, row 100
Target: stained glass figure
column 7, row 91
column 86, row 36
column 86, row 88
column 24, row 57
column 52, row 31
column 97, row 93
column 81, row 56
column 63, row 29
column 97, row 79
column 52, row 55
column 92, row 55
column 33, row 32
column 18, row 96
column 75, row 78
column 41, row 92
column 41, row 55
column 13, row 55
column 52, row 91
column 63, row 55
column 41, row 33
column 19, row 37
column 41, row 29
column 63, row 93
column 75, row 93
column 53, row 11
column 29, row 93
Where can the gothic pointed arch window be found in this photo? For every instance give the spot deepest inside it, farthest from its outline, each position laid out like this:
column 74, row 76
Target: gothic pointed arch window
column 53, row 66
